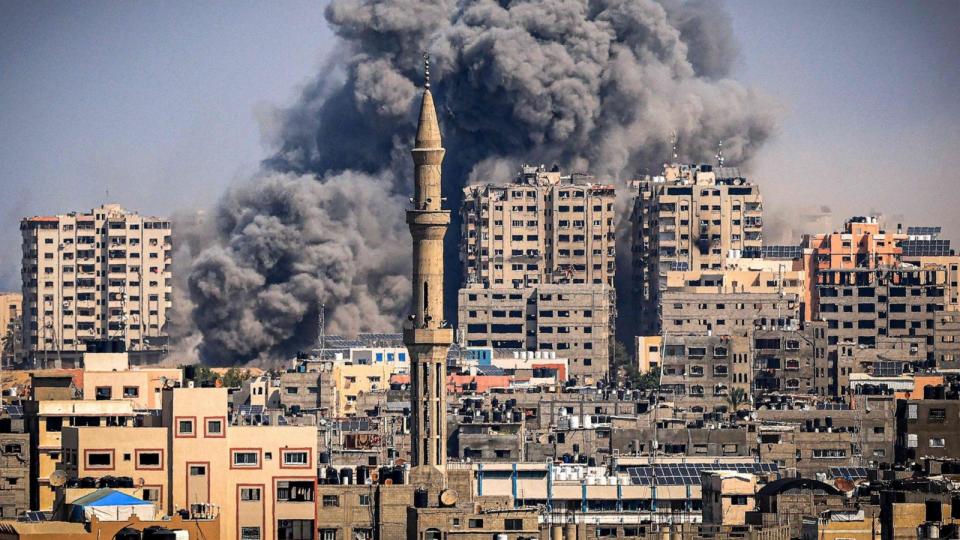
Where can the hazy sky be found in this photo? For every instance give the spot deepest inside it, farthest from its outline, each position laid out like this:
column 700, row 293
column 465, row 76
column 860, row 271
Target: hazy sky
column 157, row 103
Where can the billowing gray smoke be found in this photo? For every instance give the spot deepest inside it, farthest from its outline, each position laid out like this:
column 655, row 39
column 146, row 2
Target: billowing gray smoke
column 595, row 86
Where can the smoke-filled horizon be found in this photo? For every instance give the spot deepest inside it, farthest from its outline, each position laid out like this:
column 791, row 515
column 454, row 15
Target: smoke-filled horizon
column 596, row 87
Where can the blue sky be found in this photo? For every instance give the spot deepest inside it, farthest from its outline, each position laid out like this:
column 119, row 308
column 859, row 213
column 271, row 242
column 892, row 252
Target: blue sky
column 158, row 103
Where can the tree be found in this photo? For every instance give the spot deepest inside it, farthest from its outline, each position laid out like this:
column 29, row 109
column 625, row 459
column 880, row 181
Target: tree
column 736, row 398
column 234, row 378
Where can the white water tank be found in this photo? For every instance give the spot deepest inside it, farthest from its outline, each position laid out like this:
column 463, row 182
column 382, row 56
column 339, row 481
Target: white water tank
column 587, row 421
column 574, row 422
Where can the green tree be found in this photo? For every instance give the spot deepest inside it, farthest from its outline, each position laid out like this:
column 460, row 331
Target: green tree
column 736, row 398
column 234, row 377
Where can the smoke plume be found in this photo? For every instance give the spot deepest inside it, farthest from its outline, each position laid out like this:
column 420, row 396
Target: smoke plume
column 596, row 86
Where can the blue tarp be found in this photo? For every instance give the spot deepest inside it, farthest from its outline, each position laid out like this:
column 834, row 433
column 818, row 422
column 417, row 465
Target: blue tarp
column 108, row 497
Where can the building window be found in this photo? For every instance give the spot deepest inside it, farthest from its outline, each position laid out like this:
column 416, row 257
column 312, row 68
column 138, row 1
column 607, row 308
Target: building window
column 103, row 393
column 185, row 428
column 149, row 459
column 249, row 533
column 97, row 459
column 937, row 443
column 328, row 534
column 246, row 458
column 363, row 534
column 131, row 392
column 198, row 470
column 298, row 458
column 331, row 501
column 364, row 500
column 295, row 529
column 513, row 524
column 151, row 494
column 249, row 494
column 213, row 427
column 738, row 500
column 295, row 491
column 475, row 523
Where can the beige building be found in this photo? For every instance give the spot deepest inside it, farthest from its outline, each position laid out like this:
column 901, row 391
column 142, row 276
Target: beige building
column 649, row 352
column 727, row 497
column 353, row 381
column 11, row 310
column 259, row 480
column 109, row 376
column 541, row 228
column 574, row 322
column 104, row 274
column 689, row 218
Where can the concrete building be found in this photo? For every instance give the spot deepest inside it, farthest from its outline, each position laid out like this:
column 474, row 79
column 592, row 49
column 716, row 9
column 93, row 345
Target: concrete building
column 92, row 276
column 877, row 308
column 15, row 478
column 727, row 497
column 11, row 319
column 109, row 376
column 928, row 428
column 690, row 217
column 574, row 322
column 649, row 353
column 260, row 480
column 541, row 228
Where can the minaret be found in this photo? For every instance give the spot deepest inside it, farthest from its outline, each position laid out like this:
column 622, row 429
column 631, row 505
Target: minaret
column 427, row 336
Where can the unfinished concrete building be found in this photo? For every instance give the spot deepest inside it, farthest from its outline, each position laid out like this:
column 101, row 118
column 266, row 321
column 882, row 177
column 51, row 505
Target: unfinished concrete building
column 14, row 463
column 691, row 217
column 700, row 370
column 788, row 360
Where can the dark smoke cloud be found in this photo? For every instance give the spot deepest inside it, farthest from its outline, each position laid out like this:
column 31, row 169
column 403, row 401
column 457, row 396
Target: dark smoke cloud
column 594, row 86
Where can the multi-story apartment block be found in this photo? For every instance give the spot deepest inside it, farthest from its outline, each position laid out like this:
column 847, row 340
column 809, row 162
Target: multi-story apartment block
column 864, row 307
column 574, row 322
column 11, row 307
column 788, row 360
column 93, row 276
column 542, row 228
column 702, row 370
column 259, row 479
column 691, row 217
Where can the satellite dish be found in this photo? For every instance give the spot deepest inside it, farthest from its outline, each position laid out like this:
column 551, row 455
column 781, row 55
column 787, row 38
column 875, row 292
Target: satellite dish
column 58, row 478
column 141, row 481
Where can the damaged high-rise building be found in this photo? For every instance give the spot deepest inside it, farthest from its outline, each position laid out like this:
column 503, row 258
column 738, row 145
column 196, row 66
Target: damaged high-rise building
column 690, row 217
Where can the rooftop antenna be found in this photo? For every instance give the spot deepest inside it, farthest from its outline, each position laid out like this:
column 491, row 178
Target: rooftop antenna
column 720, row 153
column 426, row 70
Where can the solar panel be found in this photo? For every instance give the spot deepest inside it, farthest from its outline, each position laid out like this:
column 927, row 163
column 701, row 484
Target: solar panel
column 251, row 410
column 689, row 473
column 33, row 517
column 926, row 248
column 781, row 252
column 923, row 231
column 15, row 411
column 832, row 407
column 850, row 473
column 888, row 368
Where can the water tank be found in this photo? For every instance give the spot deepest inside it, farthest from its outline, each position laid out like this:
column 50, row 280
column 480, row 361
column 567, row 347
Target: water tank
column 363, row 474
column 325, row 456
column 587, row 421
column 332, row 476
column 500, row 536
column 421, row 498
column 574, row 422
column 182, row 534
column 346, row 476
column 158, row 533
column 127, row 533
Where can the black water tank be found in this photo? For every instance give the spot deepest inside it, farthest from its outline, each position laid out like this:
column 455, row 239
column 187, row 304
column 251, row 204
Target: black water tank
column 158, row 533
column 421, row 498
column 346, row 475
column 127, row 533
column 325, row 457
column 362, row 474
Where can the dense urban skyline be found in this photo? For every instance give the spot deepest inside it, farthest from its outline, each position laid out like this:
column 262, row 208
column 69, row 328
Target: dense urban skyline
column 137, row 99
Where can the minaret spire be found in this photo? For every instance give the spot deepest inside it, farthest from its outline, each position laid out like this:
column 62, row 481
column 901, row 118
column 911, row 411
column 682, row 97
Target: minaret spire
column 427, row 336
